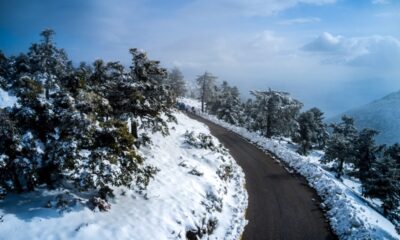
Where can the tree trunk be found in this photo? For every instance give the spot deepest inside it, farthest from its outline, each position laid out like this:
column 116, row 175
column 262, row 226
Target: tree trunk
column 134, row 132
column 203, row 95
column 340, row 168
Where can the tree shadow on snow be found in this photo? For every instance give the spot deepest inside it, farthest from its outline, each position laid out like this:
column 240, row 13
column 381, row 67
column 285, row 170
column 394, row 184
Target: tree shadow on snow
column 38, row 204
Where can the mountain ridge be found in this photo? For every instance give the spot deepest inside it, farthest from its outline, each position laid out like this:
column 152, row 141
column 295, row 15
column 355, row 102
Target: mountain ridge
column 382, row 114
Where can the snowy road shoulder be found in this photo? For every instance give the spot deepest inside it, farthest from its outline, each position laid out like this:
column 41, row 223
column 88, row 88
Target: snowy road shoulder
column 197, row 191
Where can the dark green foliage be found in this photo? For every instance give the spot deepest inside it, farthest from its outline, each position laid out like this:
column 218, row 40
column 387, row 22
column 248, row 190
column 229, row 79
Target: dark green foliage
column 365, row 155
column 384, row 183
column 340, row 148
column 275, row 113
column 70, row 127
column 226, row 104
column 312, row 132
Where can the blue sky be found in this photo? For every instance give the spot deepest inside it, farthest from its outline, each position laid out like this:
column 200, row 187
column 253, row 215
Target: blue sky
column 333, row 54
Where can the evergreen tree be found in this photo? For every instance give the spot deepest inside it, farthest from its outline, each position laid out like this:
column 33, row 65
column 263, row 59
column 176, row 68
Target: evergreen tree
column 365, row 155
column 249, row 115
column 384, row 183
column 48, row 63
column 70, row 126
column 206, row 84
column 276, row 113
column 311, row 132
column 340, row 147
column 4, row 70
column 149, row 99
column 229, row 109
column 176, row 82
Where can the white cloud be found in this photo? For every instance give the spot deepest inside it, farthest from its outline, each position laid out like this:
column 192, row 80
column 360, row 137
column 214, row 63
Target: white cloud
column 300, row 21
column 326, row 42
column 372, row 51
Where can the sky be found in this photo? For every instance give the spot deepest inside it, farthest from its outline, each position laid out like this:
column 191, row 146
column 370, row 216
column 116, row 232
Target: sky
column 332, row 54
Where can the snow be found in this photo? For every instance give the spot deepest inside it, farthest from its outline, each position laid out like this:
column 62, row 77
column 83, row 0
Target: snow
column 6, row 100
column 350, row 215
column 175, row 201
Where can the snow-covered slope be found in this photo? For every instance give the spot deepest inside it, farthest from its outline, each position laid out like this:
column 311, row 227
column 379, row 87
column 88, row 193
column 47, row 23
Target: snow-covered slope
column 382, row 115
column 6, row 100
column 188, row 193
column 349, row 214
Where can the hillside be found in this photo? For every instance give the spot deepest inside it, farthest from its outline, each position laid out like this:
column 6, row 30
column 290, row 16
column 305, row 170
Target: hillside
column 382, row 115
column 188, row 193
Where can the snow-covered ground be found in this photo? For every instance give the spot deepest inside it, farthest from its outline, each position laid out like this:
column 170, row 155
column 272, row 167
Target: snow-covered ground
column 350, row 215
column 189, row 192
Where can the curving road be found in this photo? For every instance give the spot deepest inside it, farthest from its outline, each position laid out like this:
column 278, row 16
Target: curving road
column 281, row 205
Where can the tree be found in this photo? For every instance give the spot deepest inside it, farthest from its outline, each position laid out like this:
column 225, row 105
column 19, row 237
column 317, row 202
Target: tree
column 70, row 126
column 249, row 115
column 48, row 63
column 176, row 82
column 229, row 104
column 340, row 147
column 206, row 84
column 4, row 70
column 276, row 113
column 365, row 155
column 384, row 183
column 311, row 132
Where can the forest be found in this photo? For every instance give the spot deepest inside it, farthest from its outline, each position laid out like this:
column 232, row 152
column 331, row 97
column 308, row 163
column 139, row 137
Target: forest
column 79, row 127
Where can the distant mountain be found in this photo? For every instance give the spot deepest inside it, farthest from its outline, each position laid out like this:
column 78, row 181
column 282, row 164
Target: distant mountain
column 382, row 115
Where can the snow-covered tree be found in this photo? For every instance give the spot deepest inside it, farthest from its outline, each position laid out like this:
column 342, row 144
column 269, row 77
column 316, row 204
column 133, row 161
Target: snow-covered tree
column 176, row 82
column 276, row 113
column 226, row 104
column 249, row 115
column 149, row 98
column 48, row 63
column 70, row 127
column 311, row 132
column 384, row 183
column 340, row 147
column 206, row 84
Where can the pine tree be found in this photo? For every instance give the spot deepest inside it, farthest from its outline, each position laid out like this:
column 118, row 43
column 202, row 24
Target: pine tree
column 206, row 84
column 249, row 115
column 4, row 70
column 365, row 155
column 229, row 109
column 176, row 82
column 276, row 113
column 48, row 63
column 149, row 98
column 311, row 132
column 340, row 147
column 70, row 125
column 384, row 183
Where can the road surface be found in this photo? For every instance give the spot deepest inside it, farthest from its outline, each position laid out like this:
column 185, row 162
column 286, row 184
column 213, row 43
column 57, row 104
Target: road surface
column 281, row 204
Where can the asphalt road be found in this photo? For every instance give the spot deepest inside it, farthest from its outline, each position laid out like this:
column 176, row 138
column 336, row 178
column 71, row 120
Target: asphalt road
column 281, row 204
